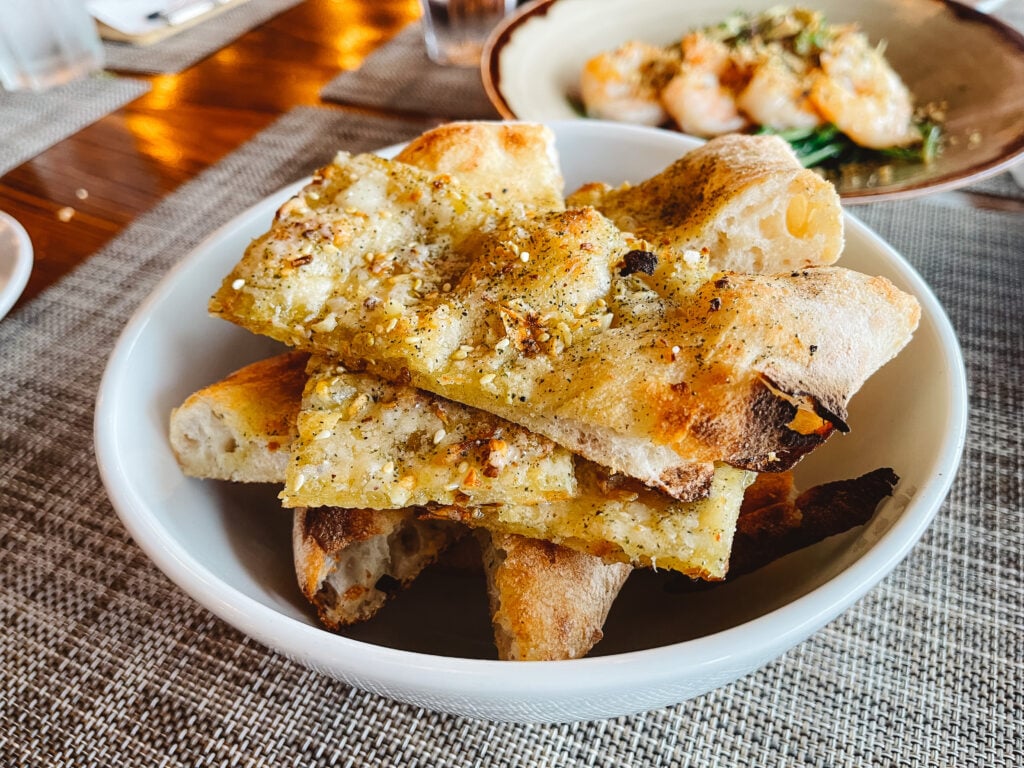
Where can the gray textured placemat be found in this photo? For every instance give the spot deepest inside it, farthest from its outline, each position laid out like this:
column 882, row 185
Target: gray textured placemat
column 1002, row 185
column 105, row 662
column 399, row 76
column 31, row 122
column 194, row 44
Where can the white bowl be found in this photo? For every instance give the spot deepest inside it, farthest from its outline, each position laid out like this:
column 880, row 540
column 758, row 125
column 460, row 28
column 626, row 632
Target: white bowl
column 228, row 547
column 532, row 63
column 15, row 261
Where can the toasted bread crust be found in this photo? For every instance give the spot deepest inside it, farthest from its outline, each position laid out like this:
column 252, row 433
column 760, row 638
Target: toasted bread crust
column 349, row 562
column 771, row 530
column 547, row 602
column 241, row 428
column 512, row 161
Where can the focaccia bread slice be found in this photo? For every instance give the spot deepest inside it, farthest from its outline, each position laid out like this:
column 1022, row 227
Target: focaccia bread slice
column 349, row 562
column 745, row 201
column 776, row 519
column 547, row 602
column 242, row 427
column 558, row 322
column 508, row 161
column 621, row 520
column 366, row 442
column 770, row 527
column 611, row 516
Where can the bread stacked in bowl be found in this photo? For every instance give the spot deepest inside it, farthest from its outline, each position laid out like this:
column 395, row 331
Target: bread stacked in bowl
column 592, row 383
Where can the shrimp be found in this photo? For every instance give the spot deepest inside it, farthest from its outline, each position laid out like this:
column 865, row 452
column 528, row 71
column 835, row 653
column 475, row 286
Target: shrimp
column 776, row 96
column 696, row 98
column 859, row 92
column 622, row 84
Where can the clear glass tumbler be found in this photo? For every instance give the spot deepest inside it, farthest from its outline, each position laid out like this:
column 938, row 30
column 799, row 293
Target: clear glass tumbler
column 44, row 43
column 455, row 30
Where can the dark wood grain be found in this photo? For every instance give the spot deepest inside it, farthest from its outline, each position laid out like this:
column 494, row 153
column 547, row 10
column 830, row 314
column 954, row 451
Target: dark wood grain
column 122, row 165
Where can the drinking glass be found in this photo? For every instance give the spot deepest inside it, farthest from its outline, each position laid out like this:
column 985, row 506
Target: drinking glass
column 455, row 30
column 44, row 43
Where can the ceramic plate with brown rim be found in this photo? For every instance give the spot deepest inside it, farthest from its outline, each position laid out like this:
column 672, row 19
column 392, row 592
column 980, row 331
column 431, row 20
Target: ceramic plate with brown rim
column 947, row 53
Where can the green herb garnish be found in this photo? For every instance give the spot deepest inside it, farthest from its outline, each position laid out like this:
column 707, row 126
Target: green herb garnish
column 827, row 145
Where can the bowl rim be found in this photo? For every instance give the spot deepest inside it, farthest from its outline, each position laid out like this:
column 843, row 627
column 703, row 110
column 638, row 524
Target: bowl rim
column 501, row 35
column 21, row 261
column 712, row 654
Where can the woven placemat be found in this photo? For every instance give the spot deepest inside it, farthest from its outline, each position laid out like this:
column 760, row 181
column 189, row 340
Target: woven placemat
column 1003, row 185
column 399, row 76
column 105, row 662
column 194, row 44
column 31, row 122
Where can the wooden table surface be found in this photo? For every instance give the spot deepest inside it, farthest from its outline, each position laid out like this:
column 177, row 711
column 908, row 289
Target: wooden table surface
column 122, row 165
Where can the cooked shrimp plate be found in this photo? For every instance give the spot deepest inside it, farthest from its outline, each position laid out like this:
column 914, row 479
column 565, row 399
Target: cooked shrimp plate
column 784, row 69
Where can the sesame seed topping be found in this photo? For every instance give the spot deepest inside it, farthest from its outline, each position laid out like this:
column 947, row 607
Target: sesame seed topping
column 238, row 284
column 566, row 332
column 439, row 436
column 357, row 405
column 487, row 378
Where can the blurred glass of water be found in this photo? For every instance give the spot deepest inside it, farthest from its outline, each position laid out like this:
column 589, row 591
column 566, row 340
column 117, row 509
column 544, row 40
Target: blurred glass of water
column 44, row 43
column 455, row 30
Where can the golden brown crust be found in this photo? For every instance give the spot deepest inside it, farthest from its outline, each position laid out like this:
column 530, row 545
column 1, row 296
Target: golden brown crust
column 504, row 160
column 349, row 562
column 767, row 489
column 241, row 428
column 547, row 602
column 771, row 531
column 323, row 532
